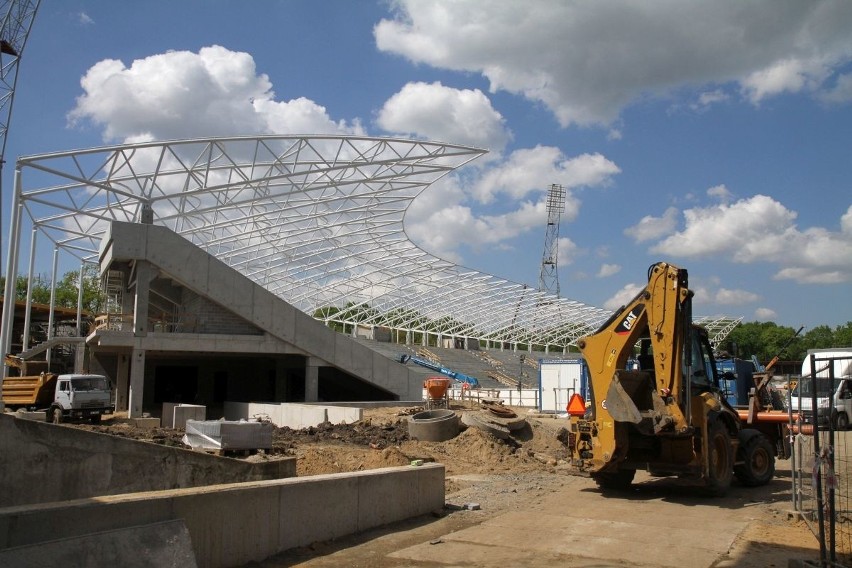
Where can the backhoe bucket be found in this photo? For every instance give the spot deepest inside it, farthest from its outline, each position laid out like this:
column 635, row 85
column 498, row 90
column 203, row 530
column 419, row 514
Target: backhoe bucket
column 632, row 397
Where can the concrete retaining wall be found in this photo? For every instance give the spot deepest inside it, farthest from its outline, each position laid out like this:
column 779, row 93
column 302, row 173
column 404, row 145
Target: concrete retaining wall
column 41, row 463
column 232, row 525
column 293, row 415
column 159, row 545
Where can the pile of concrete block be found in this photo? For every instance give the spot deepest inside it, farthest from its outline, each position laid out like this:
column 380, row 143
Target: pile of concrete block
column 226, row 435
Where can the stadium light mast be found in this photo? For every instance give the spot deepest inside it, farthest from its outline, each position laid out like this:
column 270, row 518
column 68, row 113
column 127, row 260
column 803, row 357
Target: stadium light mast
column 548, row 280
column 16, row 20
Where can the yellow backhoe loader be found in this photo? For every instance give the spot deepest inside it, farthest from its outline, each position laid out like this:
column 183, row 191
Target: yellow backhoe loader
column 654, row 402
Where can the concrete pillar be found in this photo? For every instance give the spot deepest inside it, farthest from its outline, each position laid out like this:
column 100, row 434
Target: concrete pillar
column 311, row 382
column 122, row 383
column 80, row 358
column 137, row 384
column 144, row 275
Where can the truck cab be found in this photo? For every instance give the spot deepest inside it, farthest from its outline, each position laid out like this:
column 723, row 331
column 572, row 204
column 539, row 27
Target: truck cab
column 831, row 383
column 81, row 397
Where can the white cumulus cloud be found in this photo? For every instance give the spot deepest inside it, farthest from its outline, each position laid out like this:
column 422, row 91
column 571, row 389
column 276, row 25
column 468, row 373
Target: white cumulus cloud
column 623, row 296
column 760, row 229
column 727, row 297
column 436, row 112
column 531, row 170
column 587, row 61
column 607, row 270
column 181, row 94
column 721, row 193
column 442, row 218
column 650, row 227
column 567, row 251
column 765, row 314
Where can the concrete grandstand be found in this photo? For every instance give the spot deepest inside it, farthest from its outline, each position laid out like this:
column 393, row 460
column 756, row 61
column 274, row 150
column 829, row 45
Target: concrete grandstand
column 312, row 224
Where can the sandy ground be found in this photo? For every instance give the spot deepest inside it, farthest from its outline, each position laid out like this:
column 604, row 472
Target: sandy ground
column 495, row 477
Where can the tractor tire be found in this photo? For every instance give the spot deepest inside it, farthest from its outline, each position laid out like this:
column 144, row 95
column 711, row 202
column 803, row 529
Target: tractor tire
column 841, row 422
column 614, row 481
column 720, row 459
column 758, row 461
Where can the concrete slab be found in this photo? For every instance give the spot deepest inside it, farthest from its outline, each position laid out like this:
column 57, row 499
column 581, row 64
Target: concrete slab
column 145, row 422
column 37, row 415
column 235, row 524
column 184, row 412
column 165, row 544
column 570, row 529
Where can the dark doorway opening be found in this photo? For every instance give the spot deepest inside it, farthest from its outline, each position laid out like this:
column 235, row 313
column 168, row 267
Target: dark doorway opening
column 175, row 383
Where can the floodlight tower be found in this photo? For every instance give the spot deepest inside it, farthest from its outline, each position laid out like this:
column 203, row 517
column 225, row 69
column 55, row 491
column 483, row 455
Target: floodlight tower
column 548, row 279
column 17, row 20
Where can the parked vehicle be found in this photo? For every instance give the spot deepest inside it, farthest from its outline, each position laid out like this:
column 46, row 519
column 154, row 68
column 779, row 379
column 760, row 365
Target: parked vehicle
column 668, row 416
column 29, row 392
column 80, row 397
column 833, row 395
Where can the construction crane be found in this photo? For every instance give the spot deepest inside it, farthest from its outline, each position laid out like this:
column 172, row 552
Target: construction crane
column 18, row 16
column 548, row 280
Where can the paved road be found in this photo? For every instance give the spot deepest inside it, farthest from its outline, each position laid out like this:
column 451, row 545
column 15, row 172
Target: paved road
column 561, row 520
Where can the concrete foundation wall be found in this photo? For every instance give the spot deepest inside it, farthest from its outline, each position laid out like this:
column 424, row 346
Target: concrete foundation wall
column 159, row 545
column 232, row 525
column 42, row 463
column 293, row 415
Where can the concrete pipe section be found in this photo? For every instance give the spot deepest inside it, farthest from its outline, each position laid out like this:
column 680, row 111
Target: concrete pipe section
column 433, row 425
column 496, row 420
column 476, row 419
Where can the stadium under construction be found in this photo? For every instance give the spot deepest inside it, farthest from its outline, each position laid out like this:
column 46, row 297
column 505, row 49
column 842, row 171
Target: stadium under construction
column 230, row 266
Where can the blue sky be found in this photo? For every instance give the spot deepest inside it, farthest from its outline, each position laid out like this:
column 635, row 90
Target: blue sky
column 707, row 134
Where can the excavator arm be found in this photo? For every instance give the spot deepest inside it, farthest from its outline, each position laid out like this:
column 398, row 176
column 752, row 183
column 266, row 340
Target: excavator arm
column 654, row 397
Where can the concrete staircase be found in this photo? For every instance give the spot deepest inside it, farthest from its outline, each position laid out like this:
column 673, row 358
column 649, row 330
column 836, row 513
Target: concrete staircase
column 193, row 268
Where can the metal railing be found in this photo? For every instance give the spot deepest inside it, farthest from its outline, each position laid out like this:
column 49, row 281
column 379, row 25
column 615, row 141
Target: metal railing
column 821, row 469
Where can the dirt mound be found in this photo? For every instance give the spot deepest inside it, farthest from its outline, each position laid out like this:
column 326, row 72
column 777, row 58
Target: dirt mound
column 375, row 434
column 317, row 459
column 381, row 439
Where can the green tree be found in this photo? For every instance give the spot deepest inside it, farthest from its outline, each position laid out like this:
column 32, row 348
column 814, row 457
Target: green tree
column 819, row 337
column 66, row 289
column 843, row 335
column 763, row 339
column 329, row 312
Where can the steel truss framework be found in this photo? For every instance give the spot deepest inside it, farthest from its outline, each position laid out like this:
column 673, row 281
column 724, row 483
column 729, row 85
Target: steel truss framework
column 17, row 20
column 317, row 220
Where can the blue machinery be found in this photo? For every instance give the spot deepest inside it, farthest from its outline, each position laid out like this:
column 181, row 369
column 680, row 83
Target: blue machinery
column 472, row 381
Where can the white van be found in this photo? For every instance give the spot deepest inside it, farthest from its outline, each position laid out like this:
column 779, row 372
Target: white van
column 833, row 400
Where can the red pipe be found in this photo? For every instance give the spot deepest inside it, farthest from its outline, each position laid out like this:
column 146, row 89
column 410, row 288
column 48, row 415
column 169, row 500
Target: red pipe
column 774, row 417
column 806, row 429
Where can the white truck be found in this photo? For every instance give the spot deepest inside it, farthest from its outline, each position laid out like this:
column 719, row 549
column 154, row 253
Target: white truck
column 833, row 397
column 80, row 397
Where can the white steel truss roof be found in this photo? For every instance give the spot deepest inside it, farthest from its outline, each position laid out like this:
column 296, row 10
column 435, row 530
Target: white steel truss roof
column 317, row 220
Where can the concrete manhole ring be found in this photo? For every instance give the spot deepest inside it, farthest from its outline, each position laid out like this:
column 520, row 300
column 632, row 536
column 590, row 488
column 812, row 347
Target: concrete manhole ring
column 433, row 425
column 501, row 411
column 479, row 420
